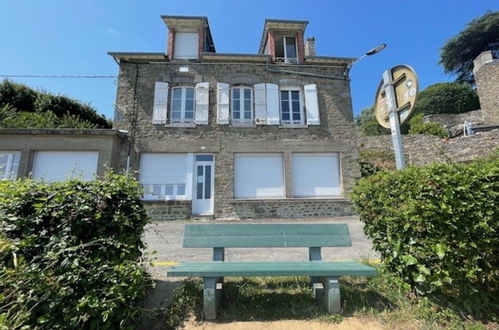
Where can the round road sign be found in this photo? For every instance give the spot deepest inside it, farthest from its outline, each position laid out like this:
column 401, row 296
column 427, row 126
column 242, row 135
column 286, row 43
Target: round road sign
column 406, row 86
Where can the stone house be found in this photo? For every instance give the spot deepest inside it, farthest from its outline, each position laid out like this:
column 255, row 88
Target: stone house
column 223, row 135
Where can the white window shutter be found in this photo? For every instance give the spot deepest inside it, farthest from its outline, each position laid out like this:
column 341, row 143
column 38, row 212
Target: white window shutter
column 223, row 92
column 160, row 103
column 312, row 105
column 202, row 103
column 260, row 104
column 272, row 104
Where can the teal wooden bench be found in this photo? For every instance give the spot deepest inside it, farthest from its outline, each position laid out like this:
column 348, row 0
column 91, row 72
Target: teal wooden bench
column 324, row 275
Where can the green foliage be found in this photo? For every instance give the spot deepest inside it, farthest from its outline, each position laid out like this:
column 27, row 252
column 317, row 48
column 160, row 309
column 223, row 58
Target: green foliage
column 437, row 228
column 45, row 120
column 70, row 253
column 375, row 160
column 27, row 102
column 417, row 126
column 447, row 98
column 368, row 125
column 6, row 112
column 458, row 53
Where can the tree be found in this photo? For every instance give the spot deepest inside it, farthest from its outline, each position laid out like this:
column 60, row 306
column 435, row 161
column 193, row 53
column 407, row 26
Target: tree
column 30, row 106
column 447, row 98
column 458, row 53
column 368, row 124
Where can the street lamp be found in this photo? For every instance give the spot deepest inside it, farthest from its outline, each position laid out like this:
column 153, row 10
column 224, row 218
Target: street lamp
column 370, row 52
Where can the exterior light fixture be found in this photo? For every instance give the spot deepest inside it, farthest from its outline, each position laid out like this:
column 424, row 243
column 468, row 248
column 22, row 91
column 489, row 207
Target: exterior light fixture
column 370, row 52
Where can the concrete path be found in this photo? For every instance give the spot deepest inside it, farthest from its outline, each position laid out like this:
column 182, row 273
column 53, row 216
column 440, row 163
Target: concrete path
column 165, row 238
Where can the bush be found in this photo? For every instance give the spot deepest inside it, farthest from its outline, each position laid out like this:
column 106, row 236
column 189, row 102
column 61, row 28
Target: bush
column 44, row 120
column 419, row 127
column 437, row 227
column 70, row 253
column 447, row 98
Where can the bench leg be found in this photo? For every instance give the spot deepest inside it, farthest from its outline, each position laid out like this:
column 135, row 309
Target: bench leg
column 314, row 254
column 211, row 297
column 332, row 298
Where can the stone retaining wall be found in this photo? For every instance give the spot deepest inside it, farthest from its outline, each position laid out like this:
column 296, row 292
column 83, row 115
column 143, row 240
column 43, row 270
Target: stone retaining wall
column 168, row 210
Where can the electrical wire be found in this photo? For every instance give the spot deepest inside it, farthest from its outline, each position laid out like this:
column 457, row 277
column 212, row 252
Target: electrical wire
column 58, row 76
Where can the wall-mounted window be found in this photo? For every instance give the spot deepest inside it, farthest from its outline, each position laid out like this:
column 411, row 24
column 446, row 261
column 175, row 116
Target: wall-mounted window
column 291, row 106
column 258, row 176
column 164, row 176
column 242, row 105
column 183, row 105
column 285, row 50
column 316, row 175
column 54, row 166
column 9, row 165
column 186, row 45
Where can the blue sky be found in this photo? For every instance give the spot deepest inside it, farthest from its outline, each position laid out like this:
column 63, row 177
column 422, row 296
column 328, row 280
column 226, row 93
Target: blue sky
column 73, row 37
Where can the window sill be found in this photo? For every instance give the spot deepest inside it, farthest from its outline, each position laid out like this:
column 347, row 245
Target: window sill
column 288, row 200
column 293, row 126
column 152, row 200
column 237, row 125
column 185, row 125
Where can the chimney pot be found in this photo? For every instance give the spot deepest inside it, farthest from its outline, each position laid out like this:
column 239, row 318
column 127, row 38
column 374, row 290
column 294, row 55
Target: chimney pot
column 310, row 47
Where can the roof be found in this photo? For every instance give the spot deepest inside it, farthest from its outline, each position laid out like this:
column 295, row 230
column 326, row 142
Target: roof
column 280, row 24
column 139, row 56
column 63, row 131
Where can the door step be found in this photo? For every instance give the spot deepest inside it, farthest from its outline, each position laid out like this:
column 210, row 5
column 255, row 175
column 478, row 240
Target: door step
column 202, row 217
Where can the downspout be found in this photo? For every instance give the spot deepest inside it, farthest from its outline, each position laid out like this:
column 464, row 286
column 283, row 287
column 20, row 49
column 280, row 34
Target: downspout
column 133, row 126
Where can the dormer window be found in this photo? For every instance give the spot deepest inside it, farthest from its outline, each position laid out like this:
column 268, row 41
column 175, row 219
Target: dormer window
column 186, row 45
column 285, row 50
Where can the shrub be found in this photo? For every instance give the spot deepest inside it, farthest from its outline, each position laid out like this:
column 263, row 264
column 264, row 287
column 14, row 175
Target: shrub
column 419, row 127
column 447, row 98
column 70, row 253
column 437, row 228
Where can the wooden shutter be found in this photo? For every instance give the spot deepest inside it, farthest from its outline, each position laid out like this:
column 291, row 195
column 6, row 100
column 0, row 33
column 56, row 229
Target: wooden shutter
column 260, row 104
column 223, row 103
column 312, row 105
column 272, row 104
column 202, row 103
column 160, row 103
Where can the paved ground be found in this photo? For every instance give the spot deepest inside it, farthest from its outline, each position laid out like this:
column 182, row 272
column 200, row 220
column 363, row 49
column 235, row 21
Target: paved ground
column 166, row 239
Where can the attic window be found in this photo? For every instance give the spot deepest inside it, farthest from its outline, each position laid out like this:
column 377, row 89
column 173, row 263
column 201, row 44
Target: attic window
column 285, row 50
column 186, row 45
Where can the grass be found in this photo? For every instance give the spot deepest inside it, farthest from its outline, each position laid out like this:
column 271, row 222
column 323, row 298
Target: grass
column 384, row 299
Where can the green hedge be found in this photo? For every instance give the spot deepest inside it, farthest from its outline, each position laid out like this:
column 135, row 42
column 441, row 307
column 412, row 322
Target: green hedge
column 70, row 253
column 438, row 228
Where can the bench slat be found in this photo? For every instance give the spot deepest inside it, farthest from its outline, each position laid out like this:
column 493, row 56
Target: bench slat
column 266, row 235
column 267, row 241
column 218, row 269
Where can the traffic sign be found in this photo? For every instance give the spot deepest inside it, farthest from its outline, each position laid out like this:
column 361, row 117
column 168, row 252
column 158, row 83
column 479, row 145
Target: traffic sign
column 405, row 86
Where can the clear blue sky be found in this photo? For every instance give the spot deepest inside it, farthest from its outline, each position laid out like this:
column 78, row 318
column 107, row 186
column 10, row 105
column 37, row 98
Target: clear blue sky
column 73, row 37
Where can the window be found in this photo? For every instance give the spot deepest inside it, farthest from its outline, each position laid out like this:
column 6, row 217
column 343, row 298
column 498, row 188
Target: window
column 186, row 45
column 316, row 175
column 291, row 107
column 182, row 105
column 285, row 49
column 55, row 166
column 163, row 176
column 242, row 105
column 258, row 176
column 9, row 165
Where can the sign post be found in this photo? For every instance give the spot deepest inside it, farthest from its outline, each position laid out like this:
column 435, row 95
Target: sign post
column 395, row 100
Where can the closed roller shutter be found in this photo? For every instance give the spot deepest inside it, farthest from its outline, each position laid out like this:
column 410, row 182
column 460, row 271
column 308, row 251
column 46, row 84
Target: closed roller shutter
column 258, row 176
column 62, row 165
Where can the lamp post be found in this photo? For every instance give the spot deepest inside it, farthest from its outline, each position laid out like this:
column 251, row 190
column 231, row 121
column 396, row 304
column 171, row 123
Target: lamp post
column 370, row 52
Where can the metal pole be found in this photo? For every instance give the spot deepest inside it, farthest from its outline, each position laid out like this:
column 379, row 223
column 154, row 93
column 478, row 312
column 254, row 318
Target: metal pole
column 398, row 147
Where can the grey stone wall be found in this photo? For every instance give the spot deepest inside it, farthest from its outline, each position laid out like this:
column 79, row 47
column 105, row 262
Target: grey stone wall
column 335, row 134
column 487, row 83
column 427, row 149
column 168, row 210
column 454, row 122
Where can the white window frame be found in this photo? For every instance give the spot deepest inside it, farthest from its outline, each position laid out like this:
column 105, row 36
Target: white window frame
column 242, row 110
column 291, row 122
column 183, row 100
column 9, row 174
column 287, row 59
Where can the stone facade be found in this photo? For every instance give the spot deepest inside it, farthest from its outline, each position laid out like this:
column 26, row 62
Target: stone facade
column 168, row 210
column 486, row 71
column 335, row 134
column 427, row 149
